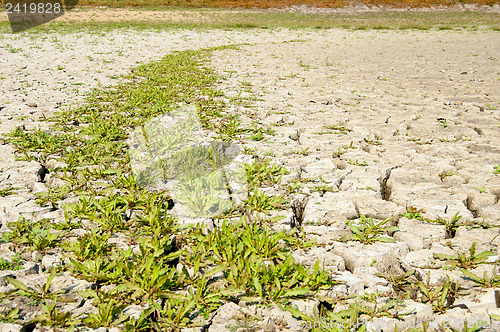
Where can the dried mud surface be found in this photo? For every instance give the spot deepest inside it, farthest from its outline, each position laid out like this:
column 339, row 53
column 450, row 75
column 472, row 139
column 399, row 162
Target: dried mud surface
column 425, row 102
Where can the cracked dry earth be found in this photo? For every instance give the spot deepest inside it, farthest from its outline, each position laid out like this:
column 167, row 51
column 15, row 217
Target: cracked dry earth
column 346, row 107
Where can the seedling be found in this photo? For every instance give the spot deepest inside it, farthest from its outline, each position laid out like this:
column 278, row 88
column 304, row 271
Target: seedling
column 262, row 173
column 7, row 191
column 485, row 281
column 443, row 122
column 466, row 261
column 497, row 169
column 441, row 297
column 37, row 295
column 357, row 163
column 413, row 213
column 340, row 127
column 368, row 231
column 15, row 264
column 400, row 283
column 9, row 316
column 52, row 317
column 451, row 226
column 371, row 141
column 445, row 174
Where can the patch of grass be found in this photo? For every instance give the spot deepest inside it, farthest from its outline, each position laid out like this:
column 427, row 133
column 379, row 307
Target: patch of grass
column 401, row 284
column 469, row 261
column 262, row 173
column 485, row 281
column 15, row 264
column 413, row 213
column 340, row 127
column 260, row 201
column 250, row 261
column 221, row 19
column 7, row 191
column 440, row 296
column 366, row 230
column 451, row 225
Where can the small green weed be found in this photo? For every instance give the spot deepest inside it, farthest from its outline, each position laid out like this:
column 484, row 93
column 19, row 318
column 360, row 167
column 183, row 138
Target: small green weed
column 261, row 173
column 15, row 264
column 340, row 127
column 485, row 281
column 400, row 283
column 7, row 191
column 466, row 261
column 37, row 295
column 52, row 317
column 451, row 225
column 413, row 213
column 108, row 314
column 439, row 296
column 366, row 230
column 444, row 174
column 9, row 316
column 260, row 201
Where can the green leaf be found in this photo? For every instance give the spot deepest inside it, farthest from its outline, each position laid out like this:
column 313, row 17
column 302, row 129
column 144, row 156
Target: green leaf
column 17, row 284
column 296, row 292
column 258, row 286
column 443, row 257
column 215, row 270
column 386, row 239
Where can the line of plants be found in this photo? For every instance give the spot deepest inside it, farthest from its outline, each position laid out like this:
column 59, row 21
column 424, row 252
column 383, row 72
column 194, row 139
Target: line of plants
column 180, row 274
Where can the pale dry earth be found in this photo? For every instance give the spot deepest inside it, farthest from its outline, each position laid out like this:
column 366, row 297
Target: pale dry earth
column 391, row 89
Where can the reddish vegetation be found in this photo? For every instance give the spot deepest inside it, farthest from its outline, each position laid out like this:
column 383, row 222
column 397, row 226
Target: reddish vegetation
column 283, row 3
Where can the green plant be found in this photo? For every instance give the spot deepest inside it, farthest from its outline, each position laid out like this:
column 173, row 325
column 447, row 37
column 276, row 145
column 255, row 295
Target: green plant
column 209, row 297
column 482, row 189
column 108, row 314
column 441, row 296
column 91, row 245
column 261, row 173
column 357, row 163
column 466, row 261
column 42, row 239
column 368, row 231
column 147, row 279
column 400, row 283
column 7, row 191
column 174, row 313
column 445, row 174
column 413, row 213
column 15, row 264
column 322, row 188
column 485, row 281
column 245, row 323
column 52, row 317
column 497, row 169
column 340, row 127
column 142, row 323
column 259, row 201
column 371, row 141
column 451, row 225
column 9, row 316
column 42, row 294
